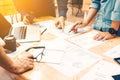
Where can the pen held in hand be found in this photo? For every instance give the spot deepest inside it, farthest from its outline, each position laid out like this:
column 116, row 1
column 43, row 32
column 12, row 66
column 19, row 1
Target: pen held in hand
column 43, row 31
column 74, row 29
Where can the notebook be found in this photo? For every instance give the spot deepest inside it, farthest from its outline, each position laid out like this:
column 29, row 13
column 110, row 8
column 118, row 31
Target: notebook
column 31, row 32
column 25, row 33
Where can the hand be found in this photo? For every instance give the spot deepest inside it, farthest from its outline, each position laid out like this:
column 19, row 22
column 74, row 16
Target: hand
column 2, row 43
column 60, row 22
column 28, row 19
column 77, row 25
column 23, row 63
column 103, row 36
column 17, row 44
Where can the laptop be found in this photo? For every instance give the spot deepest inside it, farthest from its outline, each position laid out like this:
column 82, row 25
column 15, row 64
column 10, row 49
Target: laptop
column 25, row 33
column 22, row 33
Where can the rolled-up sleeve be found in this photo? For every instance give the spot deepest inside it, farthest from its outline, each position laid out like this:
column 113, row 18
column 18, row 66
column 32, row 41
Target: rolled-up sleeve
column 62, row 7
column 116, row 12
column 95, row 4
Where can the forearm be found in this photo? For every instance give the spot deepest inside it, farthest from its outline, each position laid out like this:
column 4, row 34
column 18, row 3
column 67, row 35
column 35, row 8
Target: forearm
column 115, row 24
column 62, row 7
column 91, row 14
column 5, row 61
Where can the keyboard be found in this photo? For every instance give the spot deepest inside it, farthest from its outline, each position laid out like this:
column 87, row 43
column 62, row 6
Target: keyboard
column 20, row 32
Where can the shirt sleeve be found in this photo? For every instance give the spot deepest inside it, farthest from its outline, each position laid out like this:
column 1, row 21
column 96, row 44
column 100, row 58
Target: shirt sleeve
column 62, row 7
column 95, row 4
column 116, row 12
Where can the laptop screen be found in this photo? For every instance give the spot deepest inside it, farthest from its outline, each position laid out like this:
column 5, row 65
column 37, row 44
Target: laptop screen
column 4, row 26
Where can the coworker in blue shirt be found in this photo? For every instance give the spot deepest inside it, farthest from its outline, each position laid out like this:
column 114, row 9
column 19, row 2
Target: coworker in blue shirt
column 107, row 21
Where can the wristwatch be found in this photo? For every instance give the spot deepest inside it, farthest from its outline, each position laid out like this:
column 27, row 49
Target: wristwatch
column 112, row 31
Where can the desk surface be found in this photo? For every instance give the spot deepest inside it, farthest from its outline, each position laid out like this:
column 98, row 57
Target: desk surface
column 42, row 71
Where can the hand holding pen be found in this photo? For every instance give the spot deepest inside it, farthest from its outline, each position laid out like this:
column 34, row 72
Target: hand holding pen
column 75, row 27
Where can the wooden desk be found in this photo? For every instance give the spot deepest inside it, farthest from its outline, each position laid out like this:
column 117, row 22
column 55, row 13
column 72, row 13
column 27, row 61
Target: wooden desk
column 42, row 71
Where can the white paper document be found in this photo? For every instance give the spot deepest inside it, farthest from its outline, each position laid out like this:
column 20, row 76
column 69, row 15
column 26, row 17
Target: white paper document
column 20, row 49
column 52, row 56
column 75, row 60
column 114, row 52
column 85, row 40
column 102, row 71
column 51, row 28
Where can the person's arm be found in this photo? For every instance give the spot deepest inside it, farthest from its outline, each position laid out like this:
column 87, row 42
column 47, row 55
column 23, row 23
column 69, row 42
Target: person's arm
column 91, row 14
column 62, row 7
column 25, row 7
column 18, row 65
column 94, row 8
column 62, row 10
column 115, row 17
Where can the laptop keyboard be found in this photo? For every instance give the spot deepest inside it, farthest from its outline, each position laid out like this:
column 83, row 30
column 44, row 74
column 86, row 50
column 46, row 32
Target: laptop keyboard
column 20, row 32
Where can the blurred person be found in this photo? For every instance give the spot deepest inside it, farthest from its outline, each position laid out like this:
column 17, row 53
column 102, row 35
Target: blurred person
column 37, row 8
column 31, row 9
column 17, row 65
column 107, row 20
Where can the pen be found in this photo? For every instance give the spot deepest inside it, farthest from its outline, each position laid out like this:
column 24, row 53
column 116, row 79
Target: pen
column 74, row 27
column 43, row 31
column 71, row 30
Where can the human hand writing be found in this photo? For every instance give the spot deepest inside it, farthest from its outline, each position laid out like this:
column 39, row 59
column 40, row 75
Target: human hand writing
column 77, row 25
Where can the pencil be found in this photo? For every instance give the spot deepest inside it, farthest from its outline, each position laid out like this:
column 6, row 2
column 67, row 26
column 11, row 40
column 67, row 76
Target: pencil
column 43, row 31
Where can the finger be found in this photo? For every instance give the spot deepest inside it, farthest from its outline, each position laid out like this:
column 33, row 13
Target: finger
column 74, row 27
column 100, row 36
column 105, row 38
column 26, row 20
column 56, row 23
column 30, row 56
column 7, row 51
column 62, row 24
column 17, row 44
column 96, row 36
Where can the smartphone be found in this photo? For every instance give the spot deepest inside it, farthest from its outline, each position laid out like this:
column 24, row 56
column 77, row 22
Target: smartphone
column 116, row 77
column 117, row 60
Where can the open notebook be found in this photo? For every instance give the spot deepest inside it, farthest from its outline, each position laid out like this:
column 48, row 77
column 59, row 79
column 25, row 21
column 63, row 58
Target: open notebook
column 26, row 33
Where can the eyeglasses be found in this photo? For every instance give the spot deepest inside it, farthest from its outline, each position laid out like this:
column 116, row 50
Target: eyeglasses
column 37, row 52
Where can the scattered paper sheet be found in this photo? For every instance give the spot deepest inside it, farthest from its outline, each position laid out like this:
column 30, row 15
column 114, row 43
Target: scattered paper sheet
column 102, row 71
column 51, row 28
column 52, row 56
column 114, row 52
column 75, row 60
column 20, row 49
column 85, row 40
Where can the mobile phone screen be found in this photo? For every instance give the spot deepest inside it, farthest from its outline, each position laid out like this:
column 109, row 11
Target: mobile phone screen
column 117, row 60
column 116, row 77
